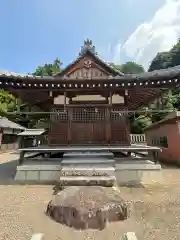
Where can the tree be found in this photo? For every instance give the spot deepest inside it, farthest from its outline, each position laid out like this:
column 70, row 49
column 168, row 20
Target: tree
column 166, row 59
column 115, row 66
column 167, row 102
column 48, row 69
column 131, row 67
column 171, row 99
column 7, row 102
column 137, row 122
column 128, row 68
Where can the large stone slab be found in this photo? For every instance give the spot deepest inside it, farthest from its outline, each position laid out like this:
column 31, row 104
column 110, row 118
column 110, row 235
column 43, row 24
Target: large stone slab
column 92, row 207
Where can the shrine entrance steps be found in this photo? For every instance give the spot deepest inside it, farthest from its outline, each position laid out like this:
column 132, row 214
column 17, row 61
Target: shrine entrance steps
column 88, row 169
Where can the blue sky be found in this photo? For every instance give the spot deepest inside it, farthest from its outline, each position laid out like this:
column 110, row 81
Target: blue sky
column 37, row 31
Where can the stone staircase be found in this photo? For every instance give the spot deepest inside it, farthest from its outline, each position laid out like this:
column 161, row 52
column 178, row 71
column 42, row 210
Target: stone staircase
column 88, row 168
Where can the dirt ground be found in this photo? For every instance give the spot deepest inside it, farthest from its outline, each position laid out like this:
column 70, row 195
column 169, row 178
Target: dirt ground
column 155, row 210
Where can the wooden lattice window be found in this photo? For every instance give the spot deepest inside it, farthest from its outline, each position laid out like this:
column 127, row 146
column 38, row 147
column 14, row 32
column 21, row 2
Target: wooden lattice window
column 88, row 114
column 59, row 114
column 117, row 114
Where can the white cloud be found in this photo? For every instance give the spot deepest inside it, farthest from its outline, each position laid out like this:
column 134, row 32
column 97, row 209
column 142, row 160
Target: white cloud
column 116, row 52
column 111, row 52
column 158, row 35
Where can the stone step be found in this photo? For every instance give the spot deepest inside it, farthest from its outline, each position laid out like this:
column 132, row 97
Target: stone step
column 89, row 161
column 87, row 171
column 106, row 181
column 88, row 155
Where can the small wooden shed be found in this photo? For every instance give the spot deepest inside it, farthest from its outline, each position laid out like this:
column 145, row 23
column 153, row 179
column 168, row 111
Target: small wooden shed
column 9, row 139
column 166, row 134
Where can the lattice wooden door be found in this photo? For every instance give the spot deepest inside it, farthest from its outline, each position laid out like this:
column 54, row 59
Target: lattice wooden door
column 119, row 131
column 58, row 132
column 88, row 126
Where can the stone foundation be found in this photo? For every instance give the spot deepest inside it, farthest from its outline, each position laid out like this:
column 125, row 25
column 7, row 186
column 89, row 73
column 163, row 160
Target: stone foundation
column 38, row 172
column 138, row 172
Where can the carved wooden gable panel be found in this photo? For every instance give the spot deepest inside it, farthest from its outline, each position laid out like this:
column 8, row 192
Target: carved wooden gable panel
column 87, row 68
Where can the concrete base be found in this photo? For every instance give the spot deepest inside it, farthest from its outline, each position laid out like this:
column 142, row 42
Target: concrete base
column 138, row 172
column 34, row 171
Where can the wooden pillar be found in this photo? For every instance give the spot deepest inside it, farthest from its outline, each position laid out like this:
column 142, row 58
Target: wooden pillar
column 108, row 120
column 126, row 117
column 65, row 96
column 70, row 113
column 126, row 99
column 70, row 100
column 108, row 125
column 110, row 98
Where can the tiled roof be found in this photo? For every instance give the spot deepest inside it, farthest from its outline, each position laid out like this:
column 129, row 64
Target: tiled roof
column 167, row 73
column 5, row 73
column 96, row 56
column 32, row 132
column 6, row 123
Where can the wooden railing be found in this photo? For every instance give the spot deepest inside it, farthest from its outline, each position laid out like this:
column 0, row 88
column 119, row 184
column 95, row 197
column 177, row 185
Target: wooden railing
column 138, row 138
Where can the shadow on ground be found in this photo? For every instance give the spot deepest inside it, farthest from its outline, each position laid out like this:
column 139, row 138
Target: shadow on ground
column 133, row 185
column 7, row 172
column 170, row 166
column 14, row 153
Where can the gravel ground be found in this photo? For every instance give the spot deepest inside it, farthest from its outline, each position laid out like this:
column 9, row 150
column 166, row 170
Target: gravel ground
column 155, row 210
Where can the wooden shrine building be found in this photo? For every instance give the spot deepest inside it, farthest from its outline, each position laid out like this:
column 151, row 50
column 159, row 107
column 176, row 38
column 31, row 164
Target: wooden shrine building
column 88, row 104
column 89, row 99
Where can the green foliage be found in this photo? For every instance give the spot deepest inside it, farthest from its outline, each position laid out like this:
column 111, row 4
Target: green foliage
column 7, row 102
column 128, row 68
column 48, row 69
column 161, row 61
column 166, row 59
column 171, row 99
column 115, row 66
column 167, row 102
column 139, row 124
column 131, row 67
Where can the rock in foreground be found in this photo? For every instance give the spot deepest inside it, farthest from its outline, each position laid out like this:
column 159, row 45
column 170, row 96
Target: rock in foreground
column 87, row 207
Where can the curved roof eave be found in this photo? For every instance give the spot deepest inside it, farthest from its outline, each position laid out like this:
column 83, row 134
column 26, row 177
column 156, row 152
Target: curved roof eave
column 168, row 73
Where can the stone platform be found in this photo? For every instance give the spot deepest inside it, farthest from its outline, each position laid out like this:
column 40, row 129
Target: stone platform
column 86, row 172
column 137, row 172
column 38, row 171
column 75, row 168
